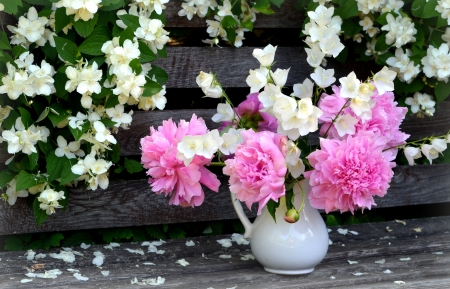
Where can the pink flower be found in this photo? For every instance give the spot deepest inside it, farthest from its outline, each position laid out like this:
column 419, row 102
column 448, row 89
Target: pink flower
column 249, row 112
column 386, row 118
column 348, row 173
column 167, row 173
column 258, row 168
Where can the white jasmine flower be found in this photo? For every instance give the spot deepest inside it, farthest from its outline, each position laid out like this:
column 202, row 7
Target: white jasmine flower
column 117, row 115
column 68, row 150
column 400, row 30
column 84, row 9
column 187, row 10
column 322, row 15
column 285, row 108
column 229, row 142
column 265, row 56
column 102, row 133
column 225, row 9
column 13, row 194
column 446, row 35
column 443, row 7
column 29, row 29
column 49, row 201
column 437, row 62
column 296, row 169
column 384, row 80
column 323, row 78
column 366, row 23
column 190, row 145
column 303, row 90
column 89, row 78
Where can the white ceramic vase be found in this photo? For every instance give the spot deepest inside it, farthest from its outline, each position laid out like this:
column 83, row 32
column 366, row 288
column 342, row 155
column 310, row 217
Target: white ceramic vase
column 282, row 247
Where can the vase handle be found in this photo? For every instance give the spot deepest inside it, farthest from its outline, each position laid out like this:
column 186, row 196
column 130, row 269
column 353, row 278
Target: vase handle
column 242, row 216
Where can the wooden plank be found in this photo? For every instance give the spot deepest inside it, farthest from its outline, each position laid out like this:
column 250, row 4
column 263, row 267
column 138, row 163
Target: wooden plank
column 132, row 203
column 206, row 269
column 285, row 17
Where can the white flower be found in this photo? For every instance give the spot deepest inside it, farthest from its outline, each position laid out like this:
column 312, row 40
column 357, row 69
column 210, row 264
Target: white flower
column 77, row 121
column 331, row 45
column 118, row 115
column 315, row 56
column 257, row 79
column 323, row 78
column 439, row 145
column 280, row 76
column 293, row 153
column 210, row 144
column 350, row 86
column 190, row 145
column 322, row 15
column 13, row 194
column 207, row 83
column 270, row 94
column 84, row 9
column 297, row 169
column 89, row 78
column 49, row 200
column 384, row 80
column 225, row 9
column 446, row 35
column 366, row 23
column 68, row 150
column 30, row 29
column 230, row 140
column 187, row 10
column 224, row 113
column 400, row 30
column 303, row 90
column 2, row 7
column 437, row 62
column 345, row 124
column 443, row 7
column 265, row 56
column 431, row 151
column 102, row 133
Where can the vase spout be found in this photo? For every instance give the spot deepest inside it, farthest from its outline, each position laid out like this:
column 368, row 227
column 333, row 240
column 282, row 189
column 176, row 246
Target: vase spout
column 242, row 216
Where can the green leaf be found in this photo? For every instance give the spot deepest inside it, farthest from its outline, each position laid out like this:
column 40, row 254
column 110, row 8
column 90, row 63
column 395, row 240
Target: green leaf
column 55, row 166
column 46, row 148
column 177, row 233
column 76, row 239
column 229, row 21
column 57, row 113
column 231, row 34
column 4, row 42
column 77, row 133
column 442, row 91
column 110, row 5
column 39, row 215
column 25, row 181
column 272, row 207
column 61, row 19
column 277, row 2
column 18, row 50
column 67, row 175
column 159, row 74
column 436, row 38
column 126, row 34
column 151, row 88
column 441, row 22
column 93, row 44
column 347, row 9
column 133, row 166
column 263, row 6
column 26, row 117
column 130, row 20
column 147, row 54
column 107, row 122
column 85, row 28
column 350, row 28
column 54, row 240
column 290, row 199
column 13, row 243
column 381, row 43
column 420, row 36
column 5, row 177
column 382, row 18
column 9, row 122
column 247, row 24
column 12, row 6
column 66, row 49
column 43, row 114
column 115, row 153
column 333, row 220
column 139, row 234
column 112, row 101
column 162, row 52
column 136, row 66
column 416, row 85
column 49, row 51
column 155, row 232
column 115, row 234
column 424, row 8
column 33, row 159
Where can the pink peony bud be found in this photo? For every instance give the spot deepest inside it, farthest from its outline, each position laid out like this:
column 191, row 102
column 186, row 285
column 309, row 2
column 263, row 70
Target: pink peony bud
column 291, row 216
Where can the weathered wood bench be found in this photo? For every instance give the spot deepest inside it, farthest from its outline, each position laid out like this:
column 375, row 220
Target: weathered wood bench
column 419, row 257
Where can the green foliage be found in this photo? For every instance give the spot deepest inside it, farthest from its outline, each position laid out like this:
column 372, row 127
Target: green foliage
column 155, row 232
column 85, row 28
column 442, row 91
column 263, row 6
column 133, row 166
column 271, row 207
column 39, row 215
column 116, row 234
column 25, row 181
column 61, row 19
column 424, row 8
column 78, row 238
column 66, row 49
column 151, row 88
column 6, row 176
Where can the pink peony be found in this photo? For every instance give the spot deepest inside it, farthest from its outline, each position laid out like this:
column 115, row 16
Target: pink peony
column 386, row 118
column 167, row 173
column 258, row 168
column 348, row 173
column 249, row 112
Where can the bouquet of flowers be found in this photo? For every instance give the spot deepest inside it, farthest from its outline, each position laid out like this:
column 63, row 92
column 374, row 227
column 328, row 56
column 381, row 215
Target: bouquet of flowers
column 67, row 82
column 265, row 147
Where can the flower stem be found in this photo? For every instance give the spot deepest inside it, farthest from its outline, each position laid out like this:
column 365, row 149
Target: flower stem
column 216, row 164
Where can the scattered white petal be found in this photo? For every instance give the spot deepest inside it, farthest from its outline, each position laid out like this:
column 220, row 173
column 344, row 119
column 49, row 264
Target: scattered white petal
column 77, row 253
column 210, row 288
column 152, row 249
column 158, row 243
column 401, row 222
column 67, row 249
column 437, row 253
column 342, row 231
column 99, row 258
column 105, row 273
column 109, row 247
column 38, row 256
column 151, row 281
column 388, row 229
column 225, row 242
column 137, row 251
column 399, row 282
column 329, row 230
column 73, row 270
column 343, row 245
column 247, row 257
column 352, row 262
column 389, row 243
column 359, row 274
column 332, row 277
column 225, row 256
column 330, row 242
column 30, row 254
column 232, row 287
column 51, row 274
column 160, row 252
column 405, row 259
column 382, row 261
column 190, row 243
column 182, row 262
column 149, row 263
column 134, row 281
column 68, row 257
column 137, row 266
column 146, row 243
column 26, row 280
column 79, row 277
column 112, row 244
column 239, row 239
column 387, row 271
column 417, row 230
column 353, row 232
column 85, row 246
